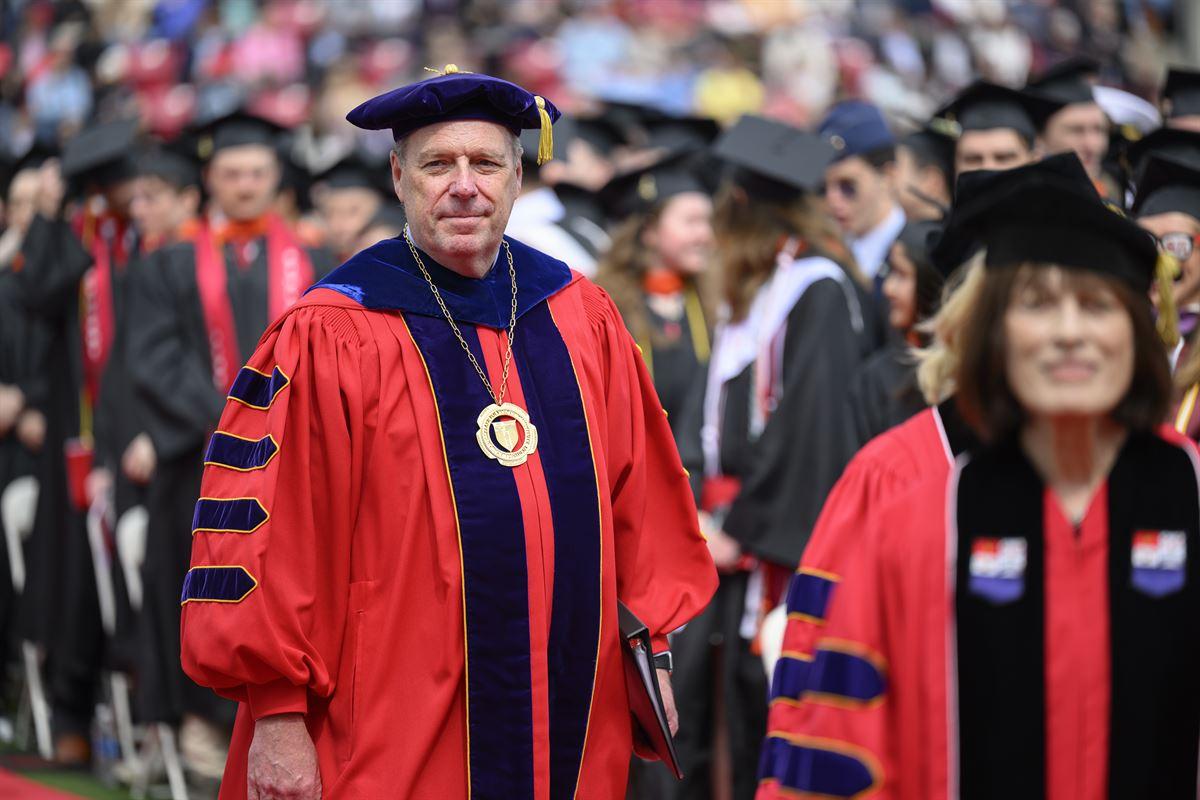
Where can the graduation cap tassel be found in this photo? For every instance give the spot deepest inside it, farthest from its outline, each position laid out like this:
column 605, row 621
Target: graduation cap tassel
column 546, row 140
column 1165, row 271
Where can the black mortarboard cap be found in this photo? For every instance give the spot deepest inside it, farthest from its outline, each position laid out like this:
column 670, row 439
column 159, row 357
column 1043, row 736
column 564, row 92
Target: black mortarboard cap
column 1174, row 143
column 356, row 170
column 1181, row 93
column 640, row 190
column 101, row 154
column 454, row 95
column 235, row 129
column 681, row 133
column 1048, row 212
column 601, row 133
column 168, row 163
column 1069, row 81
column 919, row 238
column 987, row 106
column 1166, row 185
column 774, row 158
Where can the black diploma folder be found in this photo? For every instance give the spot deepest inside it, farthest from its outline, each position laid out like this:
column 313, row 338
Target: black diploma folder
column 645, row 700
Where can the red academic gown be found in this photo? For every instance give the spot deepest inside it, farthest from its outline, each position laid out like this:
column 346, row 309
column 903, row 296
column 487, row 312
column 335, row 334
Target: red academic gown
column 446, row 624
column 989, row 648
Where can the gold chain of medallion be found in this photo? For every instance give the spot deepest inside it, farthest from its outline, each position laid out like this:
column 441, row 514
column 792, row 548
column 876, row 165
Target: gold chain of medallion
column 512, row 322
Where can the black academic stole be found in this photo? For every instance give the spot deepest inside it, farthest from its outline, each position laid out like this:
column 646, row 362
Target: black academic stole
column 1153, row 616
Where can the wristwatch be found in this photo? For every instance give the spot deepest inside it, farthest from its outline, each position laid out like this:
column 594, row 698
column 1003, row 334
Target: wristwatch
column 664, row 660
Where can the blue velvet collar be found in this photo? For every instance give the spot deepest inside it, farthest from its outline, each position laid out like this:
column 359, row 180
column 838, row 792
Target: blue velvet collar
column 386, row 277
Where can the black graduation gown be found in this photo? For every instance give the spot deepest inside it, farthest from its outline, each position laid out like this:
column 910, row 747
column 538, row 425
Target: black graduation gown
column 170, row 365
column 884, row 392
column 60, row 609
column 18, row 331
column 785, row 473
column 679, row 373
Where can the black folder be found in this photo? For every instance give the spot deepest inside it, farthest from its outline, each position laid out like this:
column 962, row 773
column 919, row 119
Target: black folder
column 645, row 699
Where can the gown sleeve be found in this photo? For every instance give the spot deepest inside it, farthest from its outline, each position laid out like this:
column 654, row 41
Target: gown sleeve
column 172, row 378
column 830, row 715
column 665, row 574
column 53, row 263
column 264, row 604
column 807, row 441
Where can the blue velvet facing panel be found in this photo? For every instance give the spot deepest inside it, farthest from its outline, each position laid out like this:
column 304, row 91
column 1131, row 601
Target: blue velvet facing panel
column 818, row 767
column 846, row 676
column 243, row 455
column 809, row 593
column 791, row 677
column 217, row 585
column 495, row 582
column 555, row 406
column 233, row 515
column 256, row 390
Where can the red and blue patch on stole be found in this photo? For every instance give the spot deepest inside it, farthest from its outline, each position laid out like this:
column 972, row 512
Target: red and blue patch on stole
column 997, row 568
column 1159, row 561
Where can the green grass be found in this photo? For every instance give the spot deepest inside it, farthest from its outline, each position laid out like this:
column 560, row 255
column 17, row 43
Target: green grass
column 76, row 783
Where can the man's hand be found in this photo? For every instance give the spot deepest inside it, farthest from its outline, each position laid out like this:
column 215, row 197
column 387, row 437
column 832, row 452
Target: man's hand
column 282, row 762
column 139, row 460
column 99, row 481
column 724, row 549
column 12, row 403
column 31, row 429
column 668, row 696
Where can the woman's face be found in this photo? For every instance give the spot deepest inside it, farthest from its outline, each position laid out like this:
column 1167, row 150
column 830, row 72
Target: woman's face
column 900, row 289
column 1069, row 344
column 682, row 239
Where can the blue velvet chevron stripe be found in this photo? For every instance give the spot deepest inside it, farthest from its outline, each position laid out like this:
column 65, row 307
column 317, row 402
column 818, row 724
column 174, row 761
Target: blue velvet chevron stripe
column 243, row 455
column 819, row 767
column 555, row 405
column 256, row 390
column 791, row 677
column 234, row 515
column 217, row 585
column 809, row 593
column 837, row 675
column 495, row 582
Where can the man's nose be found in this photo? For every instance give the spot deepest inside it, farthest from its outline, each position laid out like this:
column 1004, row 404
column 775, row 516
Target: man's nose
column 463, row 184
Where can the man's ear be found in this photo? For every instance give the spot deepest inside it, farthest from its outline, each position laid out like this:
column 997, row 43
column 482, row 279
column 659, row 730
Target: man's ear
column 396, row 171
column 520, row 174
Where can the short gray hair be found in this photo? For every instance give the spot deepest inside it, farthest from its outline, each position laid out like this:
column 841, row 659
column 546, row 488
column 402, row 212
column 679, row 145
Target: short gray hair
column 518, row 150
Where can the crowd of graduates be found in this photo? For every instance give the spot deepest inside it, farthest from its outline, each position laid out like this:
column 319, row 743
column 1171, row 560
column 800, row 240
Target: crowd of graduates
column 138, row 270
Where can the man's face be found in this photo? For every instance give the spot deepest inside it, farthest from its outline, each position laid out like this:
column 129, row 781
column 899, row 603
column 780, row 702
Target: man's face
column 458, row 183
column 917, row 186
column 991, row 149
column 1081, row 127
column 346, row 212
column 243, row 180
column 857, row 195
column 158, row 208
column 1175, row 227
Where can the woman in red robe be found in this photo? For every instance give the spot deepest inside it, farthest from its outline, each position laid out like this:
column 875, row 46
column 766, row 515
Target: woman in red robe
column 1026, row 626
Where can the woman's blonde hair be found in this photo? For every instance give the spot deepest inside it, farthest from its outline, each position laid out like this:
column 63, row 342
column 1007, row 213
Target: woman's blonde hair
column 938, row 362
column 750, row 232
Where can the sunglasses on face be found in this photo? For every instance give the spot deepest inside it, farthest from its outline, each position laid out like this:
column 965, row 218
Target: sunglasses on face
column 1179, row 245
column 846, row 187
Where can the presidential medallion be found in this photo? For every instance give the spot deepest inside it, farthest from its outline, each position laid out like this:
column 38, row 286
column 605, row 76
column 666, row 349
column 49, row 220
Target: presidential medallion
column 505, row 434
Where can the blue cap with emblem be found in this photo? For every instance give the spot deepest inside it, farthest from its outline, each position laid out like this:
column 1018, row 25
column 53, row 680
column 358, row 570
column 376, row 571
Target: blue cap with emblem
column 456, row 95
column 854, row 128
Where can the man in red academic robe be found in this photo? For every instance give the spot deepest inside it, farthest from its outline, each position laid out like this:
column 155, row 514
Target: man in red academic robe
column 432, row 482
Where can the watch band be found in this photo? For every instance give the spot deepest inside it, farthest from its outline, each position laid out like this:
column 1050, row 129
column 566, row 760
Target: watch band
column 664, row 660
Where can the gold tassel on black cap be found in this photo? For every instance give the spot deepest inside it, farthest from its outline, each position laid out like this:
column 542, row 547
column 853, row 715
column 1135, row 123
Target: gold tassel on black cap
column 546, row 140
column 1165, row 271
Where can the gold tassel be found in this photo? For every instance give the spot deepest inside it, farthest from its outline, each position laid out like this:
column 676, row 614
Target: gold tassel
column 450, row 69
column 1168, row 316
column 546, row 141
